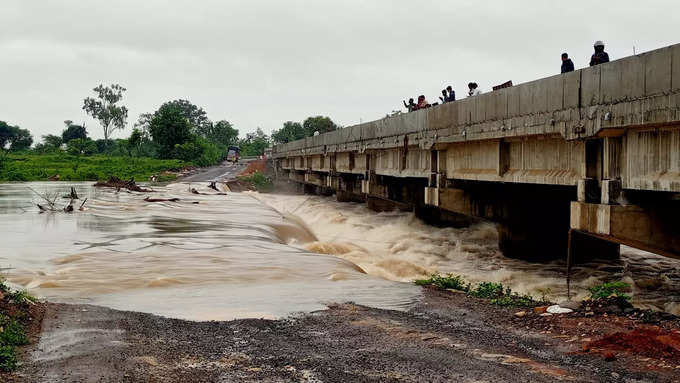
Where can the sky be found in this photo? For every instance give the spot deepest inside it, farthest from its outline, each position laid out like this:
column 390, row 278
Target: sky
column 259, row 63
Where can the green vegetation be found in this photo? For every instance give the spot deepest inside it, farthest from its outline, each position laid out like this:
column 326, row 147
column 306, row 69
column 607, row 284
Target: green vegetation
column 609, row 289
column 292, row 131
column 448, row 281
column 32, row 167
column 178, row 130
column 12, row 333
column 259, row 180
column 496, row 293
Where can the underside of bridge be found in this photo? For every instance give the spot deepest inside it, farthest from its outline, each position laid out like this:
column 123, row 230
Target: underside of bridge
column 572, row 165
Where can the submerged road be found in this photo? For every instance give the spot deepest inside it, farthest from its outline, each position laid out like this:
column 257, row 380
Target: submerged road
column 221, row 172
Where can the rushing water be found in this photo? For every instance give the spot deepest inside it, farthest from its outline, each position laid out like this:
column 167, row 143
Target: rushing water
column 251, row 255
column 225, row 257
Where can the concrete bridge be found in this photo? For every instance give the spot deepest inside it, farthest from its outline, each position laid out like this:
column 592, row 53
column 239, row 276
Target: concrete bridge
column 573, row 164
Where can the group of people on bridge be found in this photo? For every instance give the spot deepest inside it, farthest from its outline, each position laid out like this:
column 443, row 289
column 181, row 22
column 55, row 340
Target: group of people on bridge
column 449, row 95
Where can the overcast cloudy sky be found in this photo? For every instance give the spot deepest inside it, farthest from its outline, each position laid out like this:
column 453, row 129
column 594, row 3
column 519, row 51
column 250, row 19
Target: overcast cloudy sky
column 260, row 63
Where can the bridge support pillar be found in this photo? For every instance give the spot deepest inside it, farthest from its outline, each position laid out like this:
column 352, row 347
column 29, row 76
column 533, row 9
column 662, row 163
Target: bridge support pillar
column 347, row 196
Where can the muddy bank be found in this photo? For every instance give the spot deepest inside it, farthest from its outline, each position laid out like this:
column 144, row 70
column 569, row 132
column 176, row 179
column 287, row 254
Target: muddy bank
column 447, row 337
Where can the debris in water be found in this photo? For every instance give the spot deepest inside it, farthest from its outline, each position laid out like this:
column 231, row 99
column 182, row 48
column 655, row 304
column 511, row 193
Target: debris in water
column 115, row 182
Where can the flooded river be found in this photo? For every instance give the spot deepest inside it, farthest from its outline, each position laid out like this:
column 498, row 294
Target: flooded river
column 210, row 257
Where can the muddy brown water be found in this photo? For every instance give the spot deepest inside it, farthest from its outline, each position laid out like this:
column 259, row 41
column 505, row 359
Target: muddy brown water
column 248, row 255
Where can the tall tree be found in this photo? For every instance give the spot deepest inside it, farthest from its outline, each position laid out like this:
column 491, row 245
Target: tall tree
column 143, row 123
column 5, row 134
column 169, row 127
column 17, row 138
column 73, row 132
column 254, row 144
column 223, row 133
column 290, row 131
column 52, row 141
column 197, row 117
column 106, row 110
column 21, row 139
column 319, row 124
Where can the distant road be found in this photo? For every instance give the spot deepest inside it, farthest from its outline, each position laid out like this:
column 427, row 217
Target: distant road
column 222, row 172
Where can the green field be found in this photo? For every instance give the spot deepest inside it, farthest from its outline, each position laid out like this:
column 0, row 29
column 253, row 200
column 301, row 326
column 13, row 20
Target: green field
column 32, row 167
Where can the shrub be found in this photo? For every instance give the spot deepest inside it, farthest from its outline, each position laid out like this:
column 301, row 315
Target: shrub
column 259, row 180
column 448, row 281
column 496, row 293
column 609, row 289
column 8, row 358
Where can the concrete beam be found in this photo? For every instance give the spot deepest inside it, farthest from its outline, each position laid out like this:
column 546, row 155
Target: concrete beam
column 653, row 228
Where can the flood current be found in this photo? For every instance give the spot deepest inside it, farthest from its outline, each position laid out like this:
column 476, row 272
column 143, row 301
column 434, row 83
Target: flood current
column 245, row 255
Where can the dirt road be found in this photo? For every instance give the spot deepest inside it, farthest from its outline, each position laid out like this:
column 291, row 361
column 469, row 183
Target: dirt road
column 448, row 337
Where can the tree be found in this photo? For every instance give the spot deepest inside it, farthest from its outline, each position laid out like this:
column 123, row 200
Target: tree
column 136, row 138
column 143, row 123
column 197, row 117
column 52, row 141
column 319, row 124
column 80, row 146
column 5, row 134
column 291, row 131
column 169, row 127
column 223, row 133
column 73, row 131
column 106, row 110
column 254, row 144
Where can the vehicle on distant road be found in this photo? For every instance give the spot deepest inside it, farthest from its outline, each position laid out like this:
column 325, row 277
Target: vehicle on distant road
column 233, row 154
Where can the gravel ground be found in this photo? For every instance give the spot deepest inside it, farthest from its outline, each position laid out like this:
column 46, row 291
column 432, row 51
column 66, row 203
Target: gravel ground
column 448, row 337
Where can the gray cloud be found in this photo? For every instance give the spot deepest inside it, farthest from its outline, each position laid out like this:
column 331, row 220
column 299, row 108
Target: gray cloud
column 259, row 63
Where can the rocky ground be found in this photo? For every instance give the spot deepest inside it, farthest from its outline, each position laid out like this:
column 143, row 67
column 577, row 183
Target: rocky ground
column 447, row 337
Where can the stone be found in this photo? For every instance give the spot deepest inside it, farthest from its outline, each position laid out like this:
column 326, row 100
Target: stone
column 574, row 305
column 556, row 309
column 520, row 314
column 540, row 309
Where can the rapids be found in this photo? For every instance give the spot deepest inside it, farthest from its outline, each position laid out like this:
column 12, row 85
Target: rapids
column 245, row 255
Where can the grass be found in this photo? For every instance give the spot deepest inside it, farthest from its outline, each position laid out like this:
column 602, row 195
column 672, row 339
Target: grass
column 496, row 293
column 259, row 180
column 448, row 281
column 12, row 332
column 40, row 167
column 610, row 289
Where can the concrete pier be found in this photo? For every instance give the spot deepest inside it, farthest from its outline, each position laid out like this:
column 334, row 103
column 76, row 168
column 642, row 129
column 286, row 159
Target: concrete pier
column 595, row 151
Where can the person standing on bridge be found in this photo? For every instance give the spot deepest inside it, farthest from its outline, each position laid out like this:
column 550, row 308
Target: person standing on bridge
column 600, row 56
column 567, row 64
column 411, row 106
column 422, row 103
column 474, row 89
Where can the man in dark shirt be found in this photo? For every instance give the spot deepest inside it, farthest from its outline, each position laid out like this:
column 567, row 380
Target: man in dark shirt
column 600, row 56
column 452, row 94
column 567, row 64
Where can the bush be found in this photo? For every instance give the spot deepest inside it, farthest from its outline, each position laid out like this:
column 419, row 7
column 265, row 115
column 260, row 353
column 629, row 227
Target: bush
column 496, row 293
column 79, row 146
column 448, row 281
column 259, row 180
column 8, row 358
column 609, row 289
column 199, row 152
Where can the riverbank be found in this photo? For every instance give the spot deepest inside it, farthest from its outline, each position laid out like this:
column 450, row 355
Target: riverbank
column 65, row 167
column 447, row 337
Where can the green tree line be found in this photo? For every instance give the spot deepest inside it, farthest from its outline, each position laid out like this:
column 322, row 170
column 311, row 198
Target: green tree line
column 178, row 129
